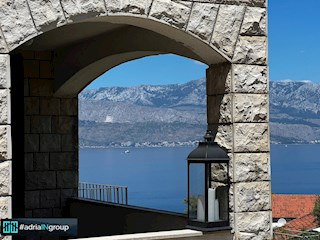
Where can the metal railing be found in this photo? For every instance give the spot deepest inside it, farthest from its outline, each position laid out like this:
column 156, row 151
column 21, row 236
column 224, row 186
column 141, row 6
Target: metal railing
column 103, row 192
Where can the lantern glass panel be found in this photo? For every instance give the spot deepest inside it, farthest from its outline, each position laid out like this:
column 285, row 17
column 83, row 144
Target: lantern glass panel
column 196, row 201
column 218, row 196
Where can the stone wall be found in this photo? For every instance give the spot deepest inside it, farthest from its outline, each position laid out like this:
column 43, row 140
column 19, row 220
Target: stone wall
column 50, row 140
column 238, row 112
column 5, row 138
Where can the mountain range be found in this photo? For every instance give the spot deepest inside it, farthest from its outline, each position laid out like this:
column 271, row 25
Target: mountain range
column 175, row 114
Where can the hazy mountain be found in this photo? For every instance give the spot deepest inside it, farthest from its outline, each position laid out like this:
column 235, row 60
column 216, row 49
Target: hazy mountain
column 153, row 115
column 295, row 112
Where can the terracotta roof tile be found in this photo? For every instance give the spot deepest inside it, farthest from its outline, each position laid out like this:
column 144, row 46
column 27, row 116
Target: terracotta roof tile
column 292, row 205
column 307, row 222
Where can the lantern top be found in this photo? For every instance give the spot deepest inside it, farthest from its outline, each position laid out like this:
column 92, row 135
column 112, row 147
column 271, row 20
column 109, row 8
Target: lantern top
column 208, row 151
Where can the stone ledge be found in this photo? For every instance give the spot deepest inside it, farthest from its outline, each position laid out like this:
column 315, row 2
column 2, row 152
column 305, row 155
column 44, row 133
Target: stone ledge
column 175, row 234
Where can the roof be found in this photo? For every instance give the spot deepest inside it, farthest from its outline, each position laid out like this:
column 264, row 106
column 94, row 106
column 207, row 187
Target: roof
column 291, row 206
column 307, row 222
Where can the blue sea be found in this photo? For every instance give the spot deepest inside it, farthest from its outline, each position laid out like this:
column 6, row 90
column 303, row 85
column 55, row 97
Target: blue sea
column 157, row 177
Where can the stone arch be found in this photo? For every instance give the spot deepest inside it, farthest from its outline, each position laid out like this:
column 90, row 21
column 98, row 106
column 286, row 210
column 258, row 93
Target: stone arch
column 228, row 35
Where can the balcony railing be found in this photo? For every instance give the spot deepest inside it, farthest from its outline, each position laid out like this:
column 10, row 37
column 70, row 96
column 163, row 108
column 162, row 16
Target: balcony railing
column 103, row 192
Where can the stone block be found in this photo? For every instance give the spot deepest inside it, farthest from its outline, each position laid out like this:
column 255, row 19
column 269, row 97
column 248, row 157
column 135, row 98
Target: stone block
column 4, row 106
column 41, row 161
column 250, row 79
column 76, row 10
column 5, row 74
column 40, row 180
column 32, row 199
column 135, row 7
column 40, row 87
column 26, row 87
column 46, row 69
column 231, row 197
column 50, row 143
column 218, row 79
column 223, row 135
column 202, row 19
column 16, row 22
column 227, row 27
column 43, row 213
column 64, row 125
column 170, row 12
column 69, row 106
column 28, row 214
column 251, row 167
column 252, row 197
column 49, row 106
column 251, row 137
column 254, row 236
column 31, row 106
column 67, row 179
column 27, row 124
column 31, row 68
column 3, row 45
column 64, row 161
column 250, row 108
column 5, row 178
column 40, row 124
column 50, row 198
column 31, row 143
column 5, row 207
column 254, row 22
column 251, row 50
column 219, row 109
column 5, row 143
column 253, row 222
column 57, row 212
column 68, row 193
column 47, row 14
column 28, row 162
column 69, row 142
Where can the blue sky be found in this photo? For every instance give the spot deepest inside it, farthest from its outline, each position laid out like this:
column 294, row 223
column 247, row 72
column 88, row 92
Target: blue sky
column 294, row 51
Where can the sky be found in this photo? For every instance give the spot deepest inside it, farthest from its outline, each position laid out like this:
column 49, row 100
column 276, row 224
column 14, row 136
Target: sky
column 294, row 52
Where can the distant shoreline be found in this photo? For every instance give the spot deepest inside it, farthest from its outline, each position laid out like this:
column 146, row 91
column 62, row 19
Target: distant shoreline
column 158, row 146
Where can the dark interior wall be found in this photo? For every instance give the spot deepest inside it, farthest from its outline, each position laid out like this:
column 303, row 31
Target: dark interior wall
column 44, row 138
column 17, row 132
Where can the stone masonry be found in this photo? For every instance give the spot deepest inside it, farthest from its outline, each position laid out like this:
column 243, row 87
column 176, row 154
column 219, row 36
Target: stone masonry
column 228, row 35
column 50, row 140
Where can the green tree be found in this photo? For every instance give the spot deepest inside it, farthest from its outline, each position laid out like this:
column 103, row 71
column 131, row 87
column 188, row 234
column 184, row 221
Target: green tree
column 316, row 210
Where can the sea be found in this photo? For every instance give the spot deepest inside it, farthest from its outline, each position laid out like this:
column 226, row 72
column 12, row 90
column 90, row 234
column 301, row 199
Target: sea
column 157, row 177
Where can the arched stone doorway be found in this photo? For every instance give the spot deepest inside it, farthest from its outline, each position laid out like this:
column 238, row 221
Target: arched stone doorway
column 58, row 47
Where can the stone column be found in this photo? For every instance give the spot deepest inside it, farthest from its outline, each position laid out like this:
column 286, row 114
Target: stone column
column 51, row 140
column 238, row 113
column 5, row 138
